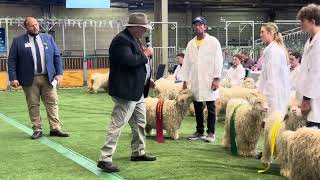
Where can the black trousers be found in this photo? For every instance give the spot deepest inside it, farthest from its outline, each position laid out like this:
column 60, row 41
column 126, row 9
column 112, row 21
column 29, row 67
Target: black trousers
column 198, row 108
column 311, row 124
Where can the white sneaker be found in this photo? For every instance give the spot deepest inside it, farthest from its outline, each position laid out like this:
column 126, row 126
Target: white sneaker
column 210, row 138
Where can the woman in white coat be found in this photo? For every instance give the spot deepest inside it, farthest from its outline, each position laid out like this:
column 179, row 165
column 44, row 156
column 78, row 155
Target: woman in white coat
column 236, row 73
column 274, row 79
column 308, row 82
column 203, row 66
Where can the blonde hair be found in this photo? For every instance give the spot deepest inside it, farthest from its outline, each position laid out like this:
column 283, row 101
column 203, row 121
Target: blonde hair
column 273, row 28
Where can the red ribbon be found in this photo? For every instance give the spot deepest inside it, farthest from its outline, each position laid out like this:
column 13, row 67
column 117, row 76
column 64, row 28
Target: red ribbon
column 159, row 122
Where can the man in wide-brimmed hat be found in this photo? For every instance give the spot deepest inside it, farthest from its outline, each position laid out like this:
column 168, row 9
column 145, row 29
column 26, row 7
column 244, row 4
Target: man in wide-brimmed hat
column 129, row 82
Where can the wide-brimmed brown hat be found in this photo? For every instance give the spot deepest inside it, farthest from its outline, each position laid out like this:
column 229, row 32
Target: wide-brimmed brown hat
column 138, row 19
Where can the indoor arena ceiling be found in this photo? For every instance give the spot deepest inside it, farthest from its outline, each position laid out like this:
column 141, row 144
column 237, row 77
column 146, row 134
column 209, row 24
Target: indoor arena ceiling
column 148, row 4
column 220, row 3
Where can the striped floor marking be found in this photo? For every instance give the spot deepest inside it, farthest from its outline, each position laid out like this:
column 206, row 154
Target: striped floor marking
column 66, row 152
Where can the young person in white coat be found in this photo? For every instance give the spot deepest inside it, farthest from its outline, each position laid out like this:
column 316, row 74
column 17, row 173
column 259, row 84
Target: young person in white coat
column 274, row 79
column 178, row 71
column 203, row 66
column 236, row 72
column 308, row 82
column 294, row 60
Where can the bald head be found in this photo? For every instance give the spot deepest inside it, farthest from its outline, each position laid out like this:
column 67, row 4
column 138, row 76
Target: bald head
column 32, row 26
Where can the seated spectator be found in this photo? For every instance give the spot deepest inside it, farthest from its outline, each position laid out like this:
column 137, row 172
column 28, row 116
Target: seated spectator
column 294, row 61
column 236, row 73
column 258, row 65
column 177, row 71
column 247, row 62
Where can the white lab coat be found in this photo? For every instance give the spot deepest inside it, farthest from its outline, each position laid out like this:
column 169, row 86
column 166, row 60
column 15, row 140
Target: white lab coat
column 293, row 76
column 308, row 82
column 274, row 79
column 236, row 75
column 201, row 66
column 178, row 73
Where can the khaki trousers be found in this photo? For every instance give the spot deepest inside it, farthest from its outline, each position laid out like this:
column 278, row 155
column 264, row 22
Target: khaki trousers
column 125, row 111
column 41, row 88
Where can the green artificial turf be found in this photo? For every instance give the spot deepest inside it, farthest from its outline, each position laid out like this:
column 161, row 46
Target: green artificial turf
column 86, row 117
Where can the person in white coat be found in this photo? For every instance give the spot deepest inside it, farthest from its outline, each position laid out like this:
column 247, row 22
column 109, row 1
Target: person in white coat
column 274, row 79
column 294, row 60
column 236, row 73
column 203, row 66
column 308, row 82
column 294, row 68
column 178, row 71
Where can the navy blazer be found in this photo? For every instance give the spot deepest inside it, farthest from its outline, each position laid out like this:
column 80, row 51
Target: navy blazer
column 127, row 68
column 21, row 64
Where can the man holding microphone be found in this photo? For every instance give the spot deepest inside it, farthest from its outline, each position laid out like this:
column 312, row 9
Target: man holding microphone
column 129, row 82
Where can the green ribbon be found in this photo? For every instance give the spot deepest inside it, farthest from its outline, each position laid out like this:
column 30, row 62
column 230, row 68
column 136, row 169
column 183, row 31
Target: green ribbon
column 233, row 134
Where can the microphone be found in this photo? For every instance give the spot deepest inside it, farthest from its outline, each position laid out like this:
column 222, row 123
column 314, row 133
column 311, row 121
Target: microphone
column 148, row 43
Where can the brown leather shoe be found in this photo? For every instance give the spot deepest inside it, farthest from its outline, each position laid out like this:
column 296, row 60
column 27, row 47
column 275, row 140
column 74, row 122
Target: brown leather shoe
column 36, row 135
column 58, row 133
column 107, row 166
column 143, row 158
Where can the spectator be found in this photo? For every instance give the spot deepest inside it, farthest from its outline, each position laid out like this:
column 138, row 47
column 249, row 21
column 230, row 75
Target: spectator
column 178, row 72
column 247, row 62
column 236, row 73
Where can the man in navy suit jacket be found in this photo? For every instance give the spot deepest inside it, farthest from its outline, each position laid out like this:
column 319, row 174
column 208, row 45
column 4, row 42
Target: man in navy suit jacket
column 35, row 64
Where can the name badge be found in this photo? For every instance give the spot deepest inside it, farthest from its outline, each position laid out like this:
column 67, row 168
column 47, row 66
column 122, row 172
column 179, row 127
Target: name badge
column 27, row 45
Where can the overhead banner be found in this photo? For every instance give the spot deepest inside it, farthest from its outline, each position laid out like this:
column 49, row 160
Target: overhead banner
column 87, row 3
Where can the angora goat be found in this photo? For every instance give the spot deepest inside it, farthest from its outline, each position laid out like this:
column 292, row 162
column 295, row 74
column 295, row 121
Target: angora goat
column 167, row 89
column 304, row 154
column 173, row 112
column 248, row 83
column 248, row 118
column 236, row 92
column 98, row 83
column 292, row 121
column 225, row 83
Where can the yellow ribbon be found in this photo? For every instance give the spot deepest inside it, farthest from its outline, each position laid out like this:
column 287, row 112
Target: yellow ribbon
column 273, row 140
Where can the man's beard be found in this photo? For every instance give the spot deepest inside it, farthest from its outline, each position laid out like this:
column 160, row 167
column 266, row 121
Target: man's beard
column 198, row 33
column 33, row 34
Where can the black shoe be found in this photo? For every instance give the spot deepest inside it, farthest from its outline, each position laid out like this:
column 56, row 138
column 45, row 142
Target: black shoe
column 107, row 166
column 36, row 135
column 196, row 136
column 58, row 133
column 143, row 158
